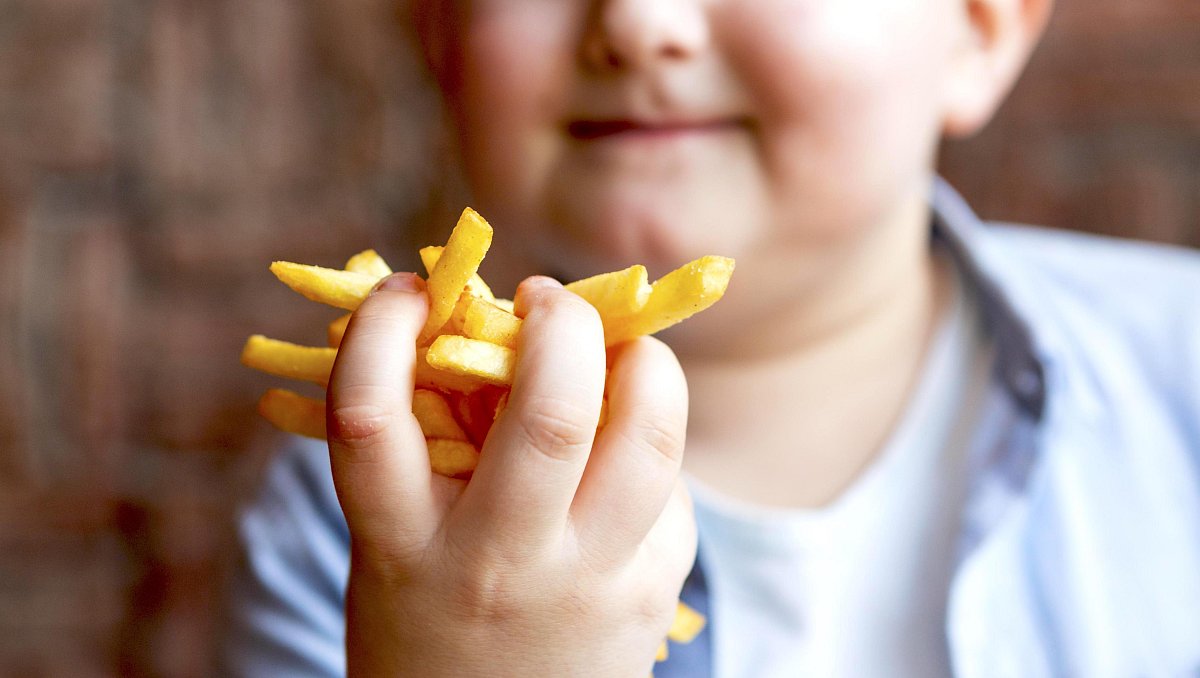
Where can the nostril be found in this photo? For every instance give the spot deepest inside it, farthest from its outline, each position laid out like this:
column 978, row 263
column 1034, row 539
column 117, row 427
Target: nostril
column 599, row 53
column 674, row 51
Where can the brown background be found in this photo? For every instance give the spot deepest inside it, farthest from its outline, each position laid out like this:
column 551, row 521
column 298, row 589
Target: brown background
column 154, row 154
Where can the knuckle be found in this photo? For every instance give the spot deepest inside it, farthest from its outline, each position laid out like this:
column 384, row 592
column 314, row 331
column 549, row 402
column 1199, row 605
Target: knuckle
column 557, row 428
column 655, row 607
column 660, row 436
column 358, row 426
column 380, row 559
column 487, row 593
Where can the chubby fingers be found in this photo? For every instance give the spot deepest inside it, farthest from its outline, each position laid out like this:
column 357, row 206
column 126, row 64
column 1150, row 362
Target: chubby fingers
column 376, row 449
column 635, row 463
column 537, row 450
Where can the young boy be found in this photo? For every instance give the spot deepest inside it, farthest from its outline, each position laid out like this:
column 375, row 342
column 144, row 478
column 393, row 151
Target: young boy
column 916, row 446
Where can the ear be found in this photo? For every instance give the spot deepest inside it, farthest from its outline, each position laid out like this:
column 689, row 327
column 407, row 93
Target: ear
column 996, row 42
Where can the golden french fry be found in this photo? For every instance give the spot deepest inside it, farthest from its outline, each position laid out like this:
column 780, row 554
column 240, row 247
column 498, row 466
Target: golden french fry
column 370, row 263
column 429, row 377
column 676, row 296
column 342, row 289
column 687, row 624
column 462, row 382
column 293, row 413
column 451, row 457
column 616, row 294
column 488, row 322
column 429, row 257
column 661, row 656
column 458, row 316
column 284, row 359
column 471, row 357
column 475, row 285
column 469, row 242
column 476, row 412
column 337, row 330
column 434, row 415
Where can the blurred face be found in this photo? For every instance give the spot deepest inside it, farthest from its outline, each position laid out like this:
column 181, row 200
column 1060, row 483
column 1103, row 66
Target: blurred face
column 784, row 133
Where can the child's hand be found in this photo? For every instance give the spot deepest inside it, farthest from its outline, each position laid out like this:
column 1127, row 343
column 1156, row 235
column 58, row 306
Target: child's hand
column 565, row 553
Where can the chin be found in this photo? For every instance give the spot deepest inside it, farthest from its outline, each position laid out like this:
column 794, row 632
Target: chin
column 661, row 236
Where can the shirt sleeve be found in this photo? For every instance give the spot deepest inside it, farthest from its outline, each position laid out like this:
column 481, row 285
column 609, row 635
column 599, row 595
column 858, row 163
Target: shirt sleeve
column 285, row 615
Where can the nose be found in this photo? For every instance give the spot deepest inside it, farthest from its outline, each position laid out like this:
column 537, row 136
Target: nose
column 632, row 34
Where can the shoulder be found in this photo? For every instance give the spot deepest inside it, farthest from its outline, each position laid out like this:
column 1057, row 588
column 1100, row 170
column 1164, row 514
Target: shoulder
column 1120, row 314
column 1113, row 502
column 1123, row 279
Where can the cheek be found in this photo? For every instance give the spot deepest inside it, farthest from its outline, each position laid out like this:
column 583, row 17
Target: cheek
column 516, row 56
column 847, row 94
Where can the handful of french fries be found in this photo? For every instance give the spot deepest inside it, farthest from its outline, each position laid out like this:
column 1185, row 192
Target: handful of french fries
column 467, row 350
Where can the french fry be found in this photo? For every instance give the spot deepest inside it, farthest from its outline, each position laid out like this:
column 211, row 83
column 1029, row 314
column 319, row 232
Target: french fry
column 469, row 242
column 337, row 330
column 477, row 411
column 370, row 263
column 687, row 624
column 662, row 654
column 293, row 413
column 465, row 354
column 488, row 322
column 429, row 257
column 617, row 294
column 434, row 415
column 341, row 289
column 475, row 284
column 284, row 359
column 459, row 315
column 676, row 296
column 451, row 457
column 428, row 377
column 471, row 357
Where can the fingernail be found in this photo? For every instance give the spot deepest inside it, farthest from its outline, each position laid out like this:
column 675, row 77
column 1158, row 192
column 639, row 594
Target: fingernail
column 401, row 282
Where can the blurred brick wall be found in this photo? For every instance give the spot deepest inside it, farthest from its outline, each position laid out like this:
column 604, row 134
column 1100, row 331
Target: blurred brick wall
column 154, row 154
column 1103, row 132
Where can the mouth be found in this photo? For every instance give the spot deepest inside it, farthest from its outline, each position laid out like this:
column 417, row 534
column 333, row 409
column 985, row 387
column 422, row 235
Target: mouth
column 599, row 130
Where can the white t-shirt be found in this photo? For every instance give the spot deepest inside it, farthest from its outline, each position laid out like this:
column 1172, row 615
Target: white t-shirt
column 858, row 588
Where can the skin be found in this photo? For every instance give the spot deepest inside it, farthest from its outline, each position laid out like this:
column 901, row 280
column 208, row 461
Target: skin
column 794, row 135
column 564, row 554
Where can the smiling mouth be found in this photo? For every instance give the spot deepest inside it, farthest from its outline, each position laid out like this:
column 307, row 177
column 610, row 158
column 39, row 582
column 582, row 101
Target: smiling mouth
column 595, row 130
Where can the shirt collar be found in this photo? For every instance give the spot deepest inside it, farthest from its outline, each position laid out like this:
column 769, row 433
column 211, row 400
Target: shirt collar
column 1018, row 367
column 1019, row 372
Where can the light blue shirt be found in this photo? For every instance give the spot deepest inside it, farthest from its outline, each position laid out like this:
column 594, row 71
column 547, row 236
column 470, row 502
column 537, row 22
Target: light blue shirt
column 1080, row 548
